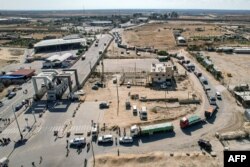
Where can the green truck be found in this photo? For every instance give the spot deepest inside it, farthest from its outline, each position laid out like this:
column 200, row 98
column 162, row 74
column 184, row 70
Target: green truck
column 150, row 129
column 186, row 122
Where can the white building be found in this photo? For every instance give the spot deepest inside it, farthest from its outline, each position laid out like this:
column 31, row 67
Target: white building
column 161, row 72
column 56, row 60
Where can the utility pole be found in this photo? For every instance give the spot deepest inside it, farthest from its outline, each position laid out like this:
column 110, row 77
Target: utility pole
column 117, row 96
column 21, row 135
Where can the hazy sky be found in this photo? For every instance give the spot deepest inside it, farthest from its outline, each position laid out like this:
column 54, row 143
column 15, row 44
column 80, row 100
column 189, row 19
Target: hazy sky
column 124, row 4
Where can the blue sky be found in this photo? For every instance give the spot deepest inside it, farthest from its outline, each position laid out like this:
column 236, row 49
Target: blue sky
column 124, row 4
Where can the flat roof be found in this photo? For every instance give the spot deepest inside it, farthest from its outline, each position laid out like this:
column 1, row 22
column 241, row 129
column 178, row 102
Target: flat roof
column 101, row 22
column 24, row 72
column 61, row 41
column 160, row 67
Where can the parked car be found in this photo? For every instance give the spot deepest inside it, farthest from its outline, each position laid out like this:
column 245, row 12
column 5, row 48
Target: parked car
column 198, row 74
column 103, row 105
column 126, row 139
column 128, row 85
column 19, row 106
column 205, row 144
column 99, row 84
column 212, row 100
column 83, row 57
column 95, row 87
column 79, row 141
column 11, row 95
column 105, row 139
column 218, row 95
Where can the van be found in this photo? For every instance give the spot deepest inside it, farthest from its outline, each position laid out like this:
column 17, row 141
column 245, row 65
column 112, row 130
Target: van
column 143, row 113
column 83, row 57
column 135, row 110
column 4, row 162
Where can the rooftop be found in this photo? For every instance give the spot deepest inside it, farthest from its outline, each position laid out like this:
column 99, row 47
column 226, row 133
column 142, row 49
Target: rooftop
column 160, row 67
column 61, row 41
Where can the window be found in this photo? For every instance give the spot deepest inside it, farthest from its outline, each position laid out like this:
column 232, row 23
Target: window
column 156, row 75
column 159, row 79
column 163, row 75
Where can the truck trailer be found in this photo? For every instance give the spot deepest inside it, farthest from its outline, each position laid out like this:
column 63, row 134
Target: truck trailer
column 186, row 122
column 150, row 129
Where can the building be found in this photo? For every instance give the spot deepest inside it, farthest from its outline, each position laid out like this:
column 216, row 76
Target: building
column 101, row 23
column 61, row 44
column 17, row 77
column 161, row 73
column 57, row 60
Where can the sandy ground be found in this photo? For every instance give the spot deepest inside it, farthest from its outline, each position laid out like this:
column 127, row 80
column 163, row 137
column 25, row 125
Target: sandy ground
column 10, row 55
column 160, row 35
column 155, row 35
column 157, row 159
column 236, row 64
column 158, row 111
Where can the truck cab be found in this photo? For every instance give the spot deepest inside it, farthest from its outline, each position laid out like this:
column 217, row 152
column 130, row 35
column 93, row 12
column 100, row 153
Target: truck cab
column 134, row 110
column 134, row 130
column 184, row 122
column 210, row 111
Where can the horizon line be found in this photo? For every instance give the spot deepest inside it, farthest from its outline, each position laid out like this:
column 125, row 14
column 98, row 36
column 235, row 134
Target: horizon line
column 120, row 9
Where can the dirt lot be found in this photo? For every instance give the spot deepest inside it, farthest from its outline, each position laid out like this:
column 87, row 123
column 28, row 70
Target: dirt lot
column 10, row 55
column 237, row 65
column 157, row 159
column 160, row 35
column 115, row 52
column 158, row 111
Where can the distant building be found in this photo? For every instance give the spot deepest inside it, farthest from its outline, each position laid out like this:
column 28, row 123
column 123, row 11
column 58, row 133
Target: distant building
column 161, row 73
column 140, row 20
column 61, row 44
column 101, row 23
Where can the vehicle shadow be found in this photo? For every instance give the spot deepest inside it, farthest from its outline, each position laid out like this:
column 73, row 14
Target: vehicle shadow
column 156, row 137
column 189, row 130
column 212, row 118
column 105, row 144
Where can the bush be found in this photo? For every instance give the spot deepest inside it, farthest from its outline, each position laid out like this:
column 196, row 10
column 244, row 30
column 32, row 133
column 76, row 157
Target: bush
column 162, row 53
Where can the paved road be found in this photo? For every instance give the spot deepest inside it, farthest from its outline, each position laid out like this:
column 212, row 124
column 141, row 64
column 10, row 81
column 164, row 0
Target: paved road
column 83, row 68
column 54, row 152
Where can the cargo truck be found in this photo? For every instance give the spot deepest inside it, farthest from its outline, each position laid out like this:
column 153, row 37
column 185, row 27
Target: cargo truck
column 210, row 111
column 186, row 122
column 150, row 129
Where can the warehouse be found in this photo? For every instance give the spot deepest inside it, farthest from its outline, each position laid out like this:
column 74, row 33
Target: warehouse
column 62, row 44
column 57, row 60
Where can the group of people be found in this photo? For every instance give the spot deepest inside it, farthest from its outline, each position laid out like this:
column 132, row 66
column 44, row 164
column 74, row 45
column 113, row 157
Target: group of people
column 5, row 141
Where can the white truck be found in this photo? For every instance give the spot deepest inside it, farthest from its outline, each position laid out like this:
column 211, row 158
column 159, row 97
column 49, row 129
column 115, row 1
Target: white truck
column 143, row 113
column 135, row 110
column 4, row 162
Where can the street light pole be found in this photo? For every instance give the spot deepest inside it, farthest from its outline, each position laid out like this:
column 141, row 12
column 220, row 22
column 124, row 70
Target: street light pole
column 33, row 112
column 21, row 135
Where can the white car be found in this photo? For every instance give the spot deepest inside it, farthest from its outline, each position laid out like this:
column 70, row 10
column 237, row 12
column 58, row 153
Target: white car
column 105, row 139
column 126, row 139
column 77, row 141
column 218, row 95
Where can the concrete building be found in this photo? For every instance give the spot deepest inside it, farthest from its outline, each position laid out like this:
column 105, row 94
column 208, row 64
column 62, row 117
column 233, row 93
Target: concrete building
column 61, row 44
column 54, row 83
column 161, row 73
column 57, row 60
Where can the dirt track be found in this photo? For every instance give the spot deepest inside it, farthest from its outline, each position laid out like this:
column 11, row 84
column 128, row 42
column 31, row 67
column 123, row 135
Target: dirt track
column 157, row 159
